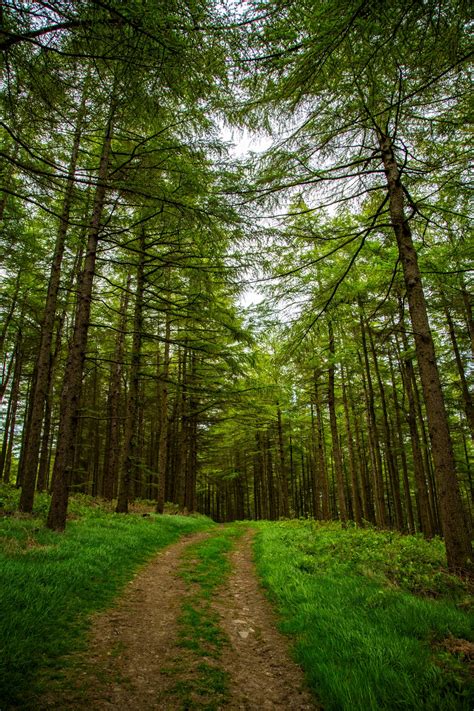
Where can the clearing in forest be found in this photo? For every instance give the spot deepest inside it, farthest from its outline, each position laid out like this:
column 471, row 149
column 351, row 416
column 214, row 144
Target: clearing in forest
column 192, row 630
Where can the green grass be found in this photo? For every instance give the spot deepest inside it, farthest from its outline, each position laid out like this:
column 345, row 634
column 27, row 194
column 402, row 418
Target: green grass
column 51, row 582
column 198, row 682
column 364, row 639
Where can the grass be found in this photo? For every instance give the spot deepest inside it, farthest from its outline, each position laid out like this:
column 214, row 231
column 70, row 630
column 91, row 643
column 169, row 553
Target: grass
column 198, row 682
column 364, row 639
column 378, row 621
column 51, row 582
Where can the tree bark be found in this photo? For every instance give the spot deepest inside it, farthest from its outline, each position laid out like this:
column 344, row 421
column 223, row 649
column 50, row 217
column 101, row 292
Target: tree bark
column 466, row 395
column 112, row 447
column 406, row 482
column 390, row 456
column 374, row 444
column 285, row 508
column 7, row 449
column 356, row 502
column 321, row 460
column 71, row 390
column 458, row 545
column 336, row 449
column 130, row 443
column 422, row 495
column 163, row 421
column 468, row 314
column 40, row 391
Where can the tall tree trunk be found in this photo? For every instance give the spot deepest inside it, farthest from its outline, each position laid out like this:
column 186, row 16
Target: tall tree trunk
column 112, row 444
column 458, row 544
column 374, row 444
column 398, row 421
column 336, row 449
column 43, row 363
column 180, row 443
column 130, row 444
column 285, row 508
column 468, row 315
column 7, row 369
column 422, row 495
column 71, row 390
column 270, row 489
column 163, row 421
column 258, row 477
column 356, row 502
column 390, row 457
column 45, row 452
column 5, row 325
column 7, row 449
column 320, row 456
column 315, row 478
column 367, row 498
column 466, row 395
column 191, row 439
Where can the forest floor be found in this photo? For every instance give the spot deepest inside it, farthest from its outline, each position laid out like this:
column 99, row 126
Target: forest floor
column 192, row 630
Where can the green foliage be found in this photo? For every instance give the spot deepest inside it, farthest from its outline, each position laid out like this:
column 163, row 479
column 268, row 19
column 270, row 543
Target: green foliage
column 411, row 562
column 52, row 582
column 364, row 641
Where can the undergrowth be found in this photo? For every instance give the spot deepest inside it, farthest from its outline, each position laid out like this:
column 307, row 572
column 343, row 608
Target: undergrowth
column 51, row 582
column 374, row 615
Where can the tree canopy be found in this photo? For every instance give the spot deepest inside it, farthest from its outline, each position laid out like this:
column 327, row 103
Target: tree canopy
column 132, row 238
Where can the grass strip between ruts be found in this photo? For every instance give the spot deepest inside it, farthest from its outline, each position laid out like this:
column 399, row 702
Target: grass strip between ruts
column 197, row 681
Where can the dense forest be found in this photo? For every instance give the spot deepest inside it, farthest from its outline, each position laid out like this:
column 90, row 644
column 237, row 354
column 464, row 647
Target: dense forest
column 279, row 332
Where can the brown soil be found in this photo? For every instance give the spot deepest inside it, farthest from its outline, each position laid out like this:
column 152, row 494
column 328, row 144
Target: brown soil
column 129, row 643
column 462, row 649
column 262, row 672
column 133, row 646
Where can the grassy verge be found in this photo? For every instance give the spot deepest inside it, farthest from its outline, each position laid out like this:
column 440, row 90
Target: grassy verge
column 51, row 582
column 197, row 682
column 365, row 640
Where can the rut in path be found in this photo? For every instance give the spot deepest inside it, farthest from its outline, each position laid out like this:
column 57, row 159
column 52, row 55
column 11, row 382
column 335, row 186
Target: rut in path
column 263, row 676
column 132, row 644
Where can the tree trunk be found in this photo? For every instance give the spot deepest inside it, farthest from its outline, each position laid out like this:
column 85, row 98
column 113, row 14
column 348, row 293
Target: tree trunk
column 163, row 421
column 466, row 395
column 390, row 457
column 112, row 446
column 336, row 449
column 7, row 449
column 406, row 482
column 458, row 545
column 356, row 502
column 285, row 508
column 321, row 459
column 468, row 314
column 6, row 324
column 130, row 443
column 71, row 390
column 422, row 494
column 43, row 363
column 374, row 444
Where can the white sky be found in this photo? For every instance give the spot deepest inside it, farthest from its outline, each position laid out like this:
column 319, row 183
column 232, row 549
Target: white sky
column 244, row 144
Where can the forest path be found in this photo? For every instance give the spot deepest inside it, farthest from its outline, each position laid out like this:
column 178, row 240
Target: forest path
column 262, row 673
column 139, row 657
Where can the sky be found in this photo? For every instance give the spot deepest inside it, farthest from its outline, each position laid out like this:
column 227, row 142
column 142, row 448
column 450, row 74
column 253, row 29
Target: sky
column 244, row 143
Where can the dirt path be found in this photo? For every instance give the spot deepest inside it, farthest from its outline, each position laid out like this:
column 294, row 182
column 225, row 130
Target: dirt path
column 263, row 674
column 133, row 645
column 129, row 642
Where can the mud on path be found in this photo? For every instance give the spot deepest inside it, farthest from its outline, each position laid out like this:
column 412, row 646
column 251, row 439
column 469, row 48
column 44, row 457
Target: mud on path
column 133, row 645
